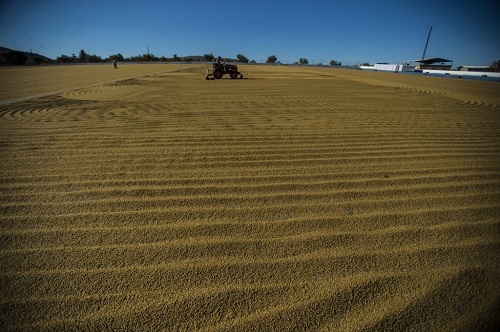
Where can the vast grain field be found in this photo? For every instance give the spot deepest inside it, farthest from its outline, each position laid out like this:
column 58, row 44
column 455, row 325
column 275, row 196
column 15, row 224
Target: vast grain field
column 297, row 199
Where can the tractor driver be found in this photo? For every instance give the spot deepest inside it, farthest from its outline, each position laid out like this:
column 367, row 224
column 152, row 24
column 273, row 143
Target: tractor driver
column 220, row 62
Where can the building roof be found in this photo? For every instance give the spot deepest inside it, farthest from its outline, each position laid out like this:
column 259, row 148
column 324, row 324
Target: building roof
column 433, row 60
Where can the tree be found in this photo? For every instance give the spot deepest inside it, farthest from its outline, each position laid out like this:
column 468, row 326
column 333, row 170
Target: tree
column 143, row 58
column 242, row 58
column 176, row 58
column 117, row 57
column 82, row 56
column 303, row 61
column 64, row 58
column 335, row 63
column 209, row 57
column 149, row 57
column 272, row 59
column 92, row 58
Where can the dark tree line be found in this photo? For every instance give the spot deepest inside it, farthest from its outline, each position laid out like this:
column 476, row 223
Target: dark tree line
column 83, row 57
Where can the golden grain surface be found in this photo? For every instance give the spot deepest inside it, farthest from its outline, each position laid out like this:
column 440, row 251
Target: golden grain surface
column 297, row 199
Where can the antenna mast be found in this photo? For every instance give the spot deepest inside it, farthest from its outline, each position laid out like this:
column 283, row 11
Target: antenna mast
column 427, row 42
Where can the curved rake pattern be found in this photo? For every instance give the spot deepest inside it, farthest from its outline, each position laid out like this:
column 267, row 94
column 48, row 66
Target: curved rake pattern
column 301, row 204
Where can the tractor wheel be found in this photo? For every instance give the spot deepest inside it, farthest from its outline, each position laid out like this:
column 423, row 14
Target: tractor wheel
column 217, row 74
column 234, row 75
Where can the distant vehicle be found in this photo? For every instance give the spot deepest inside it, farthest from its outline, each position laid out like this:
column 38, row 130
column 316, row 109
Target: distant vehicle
column 221, row 69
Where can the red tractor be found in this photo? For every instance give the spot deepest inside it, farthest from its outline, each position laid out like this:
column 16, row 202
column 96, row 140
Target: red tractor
column 220, row 69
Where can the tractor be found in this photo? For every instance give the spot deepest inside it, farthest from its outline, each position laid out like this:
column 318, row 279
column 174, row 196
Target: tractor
column 220, row 69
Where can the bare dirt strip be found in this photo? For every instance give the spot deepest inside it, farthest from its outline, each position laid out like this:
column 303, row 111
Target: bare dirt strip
column 298, row 199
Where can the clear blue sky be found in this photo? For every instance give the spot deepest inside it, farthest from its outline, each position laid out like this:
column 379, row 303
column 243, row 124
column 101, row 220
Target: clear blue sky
column 351, row 31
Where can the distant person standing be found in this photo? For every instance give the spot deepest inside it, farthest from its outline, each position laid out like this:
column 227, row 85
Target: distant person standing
column 114, row 64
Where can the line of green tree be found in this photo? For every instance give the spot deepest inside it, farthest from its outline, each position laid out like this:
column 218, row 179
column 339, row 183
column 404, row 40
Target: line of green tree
column 12, row 57
column 84, row 57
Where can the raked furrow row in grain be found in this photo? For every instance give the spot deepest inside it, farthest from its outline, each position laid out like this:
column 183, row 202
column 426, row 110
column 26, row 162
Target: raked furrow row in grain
column 298, row 199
